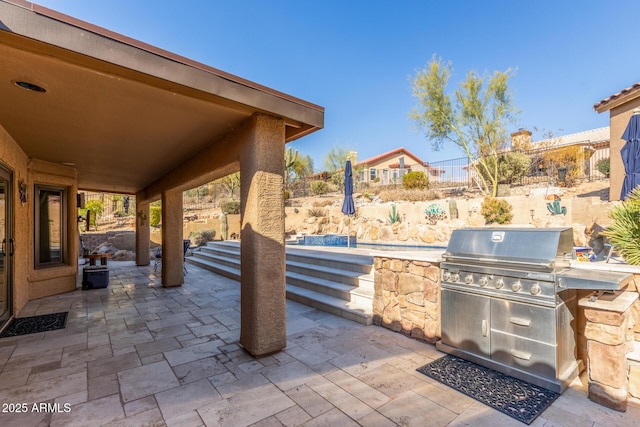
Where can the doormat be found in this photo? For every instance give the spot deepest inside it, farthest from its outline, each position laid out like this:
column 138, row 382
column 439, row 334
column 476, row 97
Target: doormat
column 512, row 396
column 35, row 324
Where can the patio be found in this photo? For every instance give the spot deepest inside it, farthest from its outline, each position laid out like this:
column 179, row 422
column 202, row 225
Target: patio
column 137, row 353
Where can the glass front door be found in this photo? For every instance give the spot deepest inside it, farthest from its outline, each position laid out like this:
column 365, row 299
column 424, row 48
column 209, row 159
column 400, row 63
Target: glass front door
column 6, row 250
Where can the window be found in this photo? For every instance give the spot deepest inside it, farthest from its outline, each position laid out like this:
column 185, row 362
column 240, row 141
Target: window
column 372, row 174
column 50, row 225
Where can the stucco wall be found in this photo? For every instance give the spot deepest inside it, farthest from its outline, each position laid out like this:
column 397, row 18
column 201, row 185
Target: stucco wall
column 29, row 283
column 13, row 158
column 618, row 122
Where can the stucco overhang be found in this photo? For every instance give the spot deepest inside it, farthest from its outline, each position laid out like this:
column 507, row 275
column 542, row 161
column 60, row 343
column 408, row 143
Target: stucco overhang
column 124, row 112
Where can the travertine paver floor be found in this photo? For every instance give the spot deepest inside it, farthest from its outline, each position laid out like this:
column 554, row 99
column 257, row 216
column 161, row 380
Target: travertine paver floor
column 137, row 354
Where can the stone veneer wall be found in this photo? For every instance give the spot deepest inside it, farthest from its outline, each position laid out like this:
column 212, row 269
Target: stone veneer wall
column 407, row 297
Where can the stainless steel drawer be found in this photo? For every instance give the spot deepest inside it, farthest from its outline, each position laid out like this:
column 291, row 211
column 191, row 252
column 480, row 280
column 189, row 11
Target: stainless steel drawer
column 532, row 356
column 525, row 320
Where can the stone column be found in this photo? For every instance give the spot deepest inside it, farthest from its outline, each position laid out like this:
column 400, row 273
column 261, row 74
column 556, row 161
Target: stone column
column 172, row 232
column 263, row 298
column 610, row 321
column 143, row 233
column 407, row 297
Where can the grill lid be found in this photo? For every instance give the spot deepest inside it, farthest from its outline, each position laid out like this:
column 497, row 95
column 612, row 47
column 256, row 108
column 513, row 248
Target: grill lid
column 537, row 248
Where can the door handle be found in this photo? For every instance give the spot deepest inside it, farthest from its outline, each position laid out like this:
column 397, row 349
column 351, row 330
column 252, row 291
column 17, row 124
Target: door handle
column 520, row 321
column 521, row 355
column 12, row 244
column 4, row 242
column 485, row 329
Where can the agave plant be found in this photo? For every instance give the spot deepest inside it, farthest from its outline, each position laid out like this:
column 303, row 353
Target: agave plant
column 394, row 215
column 624, row 232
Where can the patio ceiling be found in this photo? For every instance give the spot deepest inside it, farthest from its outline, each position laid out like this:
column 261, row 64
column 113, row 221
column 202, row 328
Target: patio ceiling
column 123, row 112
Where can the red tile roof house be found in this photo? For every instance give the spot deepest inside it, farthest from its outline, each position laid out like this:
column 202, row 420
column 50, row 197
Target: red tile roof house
column 389, row 168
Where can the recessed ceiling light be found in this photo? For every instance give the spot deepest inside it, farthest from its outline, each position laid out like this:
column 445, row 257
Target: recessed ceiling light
column 30, row 86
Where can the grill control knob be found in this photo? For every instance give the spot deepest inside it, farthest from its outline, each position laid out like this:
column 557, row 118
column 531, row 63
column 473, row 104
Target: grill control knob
column 516, row 287
column 483, row 281
column 455, row 277
column 535, row 289
column 468, row 279
column 446, row 276
column 499, row 283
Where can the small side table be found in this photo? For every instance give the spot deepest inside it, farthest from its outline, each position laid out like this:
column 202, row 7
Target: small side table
column 93, row 257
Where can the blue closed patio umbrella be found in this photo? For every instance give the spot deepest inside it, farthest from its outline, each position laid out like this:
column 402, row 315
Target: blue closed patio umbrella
column 630, row 154
column 348, row 208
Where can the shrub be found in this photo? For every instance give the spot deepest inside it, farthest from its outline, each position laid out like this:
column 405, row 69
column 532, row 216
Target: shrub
column 624, row 232
column 434, row 213
column 511, row 167
column 604, row 166
column 415, row 180
column 155, row 215
column 316, row 212
column 201, row 237
column 322, row 203
column 400, row 194
column 496, row 211
column 230, row 207
column 571, row 158
column 319, row 187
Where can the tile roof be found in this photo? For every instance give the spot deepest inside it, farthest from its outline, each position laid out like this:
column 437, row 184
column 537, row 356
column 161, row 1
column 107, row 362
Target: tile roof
column 598, row 105
column 591, row 136
column 389, row 154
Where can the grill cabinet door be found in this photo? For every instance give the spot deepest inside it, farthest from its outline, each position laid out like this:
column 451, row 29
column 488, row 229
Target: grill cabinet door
column 466, row 322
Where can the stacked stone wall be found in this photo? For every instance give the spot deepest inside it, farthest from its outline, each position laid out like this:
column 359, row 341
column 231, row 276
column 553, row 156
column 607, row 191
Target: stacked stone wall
column 407, row 297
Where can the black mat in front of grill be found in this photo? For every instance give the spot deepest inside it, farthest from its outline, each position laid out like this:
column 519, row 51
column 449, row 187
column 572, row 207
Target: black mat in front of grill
column 514, row 397
column 35, row 324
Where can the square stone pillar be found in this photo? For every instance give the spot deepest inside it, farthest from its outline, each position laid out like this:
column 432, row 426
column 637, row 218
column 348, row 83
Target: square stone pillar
column 143, row 234
column 609, row 334
column 172, row 232
column 263, row 297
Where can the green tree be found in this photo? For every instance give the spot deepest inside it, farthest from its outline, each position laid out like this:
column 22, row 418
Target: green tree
column 334, row 163
column 475, row 120
column 230, row 183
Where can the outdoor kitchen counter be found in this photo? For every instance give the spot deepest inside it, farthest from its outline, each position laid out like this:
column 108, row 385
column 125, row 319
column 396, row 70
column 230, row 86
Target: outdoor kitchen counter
column 609, row 328
column 612, row 265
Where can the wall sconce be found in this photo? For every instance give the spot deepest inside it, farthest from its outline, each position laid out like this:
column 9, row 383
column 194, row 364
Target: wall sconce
column 532, row 212
column 22, row 189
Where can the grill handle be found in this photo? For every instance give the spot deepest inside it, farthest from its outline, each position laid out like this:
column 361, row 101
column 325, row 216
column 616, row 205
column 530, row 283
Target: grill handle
column 520, row 321
column 545, row 265
column 521, row 355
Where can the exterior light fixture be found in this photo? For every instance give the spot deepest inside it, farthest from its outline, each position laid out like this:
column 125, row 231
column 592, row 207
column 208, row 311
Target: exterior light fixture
column 30, row 86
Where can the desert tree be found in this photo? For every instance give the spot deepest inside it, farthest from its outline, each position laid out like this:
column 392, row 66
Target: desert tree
column 475, row 119
column 334, row 163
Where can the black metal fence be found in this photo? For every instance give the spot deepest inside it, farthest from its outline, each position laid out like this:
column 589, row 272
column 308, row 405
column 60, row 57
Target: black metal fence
column 559, row 165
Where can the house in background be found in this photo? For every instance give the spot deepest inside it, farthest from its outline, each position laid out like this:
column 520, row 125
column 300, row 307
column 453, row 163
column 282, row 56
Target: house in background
column 620, row 106
column 389, row 168
column 594, row 143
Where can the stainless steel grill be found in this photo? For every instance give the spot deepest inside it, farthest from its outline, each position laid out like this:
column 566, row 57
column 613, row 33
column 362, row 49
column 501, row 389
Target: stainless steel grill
column 509, row 301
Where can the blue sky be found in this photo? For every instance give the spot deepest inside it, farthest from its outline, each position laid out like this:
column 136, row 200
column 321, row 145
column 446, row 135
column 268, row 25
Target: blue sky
column 356, row 58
